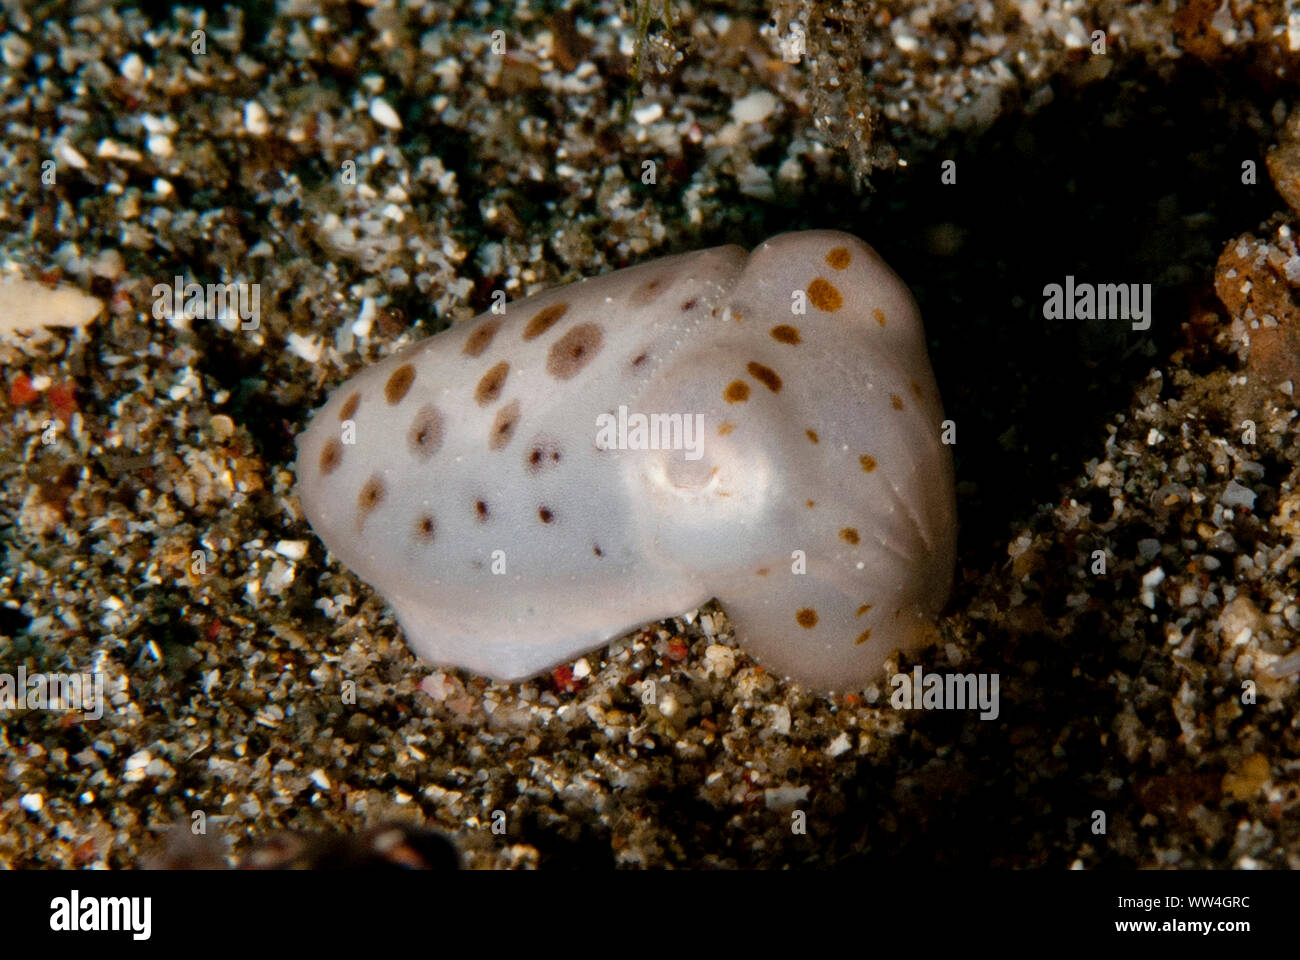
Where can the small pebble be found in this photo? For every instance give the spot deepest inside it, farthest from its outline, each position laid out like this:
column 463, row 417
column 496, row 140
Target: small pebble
column 1235, row 495
column 132, row 67
column 384, row 115
column 255, row 119
column 753, row 108
column 160, row 145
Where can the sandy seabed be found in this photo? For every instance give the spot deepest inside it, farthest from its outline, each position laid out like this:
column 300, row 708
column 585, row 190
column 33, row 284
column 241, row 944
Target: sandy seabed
column 379, row 170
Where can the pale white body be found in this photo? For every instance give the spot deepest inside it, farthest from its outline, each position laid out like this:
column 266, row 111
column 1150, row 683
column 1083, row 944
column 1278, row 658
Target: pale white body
column 820, row 513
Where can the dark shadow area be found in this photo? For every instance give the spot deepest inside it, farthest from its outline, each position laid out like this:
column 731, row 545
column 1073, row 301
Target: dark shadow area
column 1134, row 179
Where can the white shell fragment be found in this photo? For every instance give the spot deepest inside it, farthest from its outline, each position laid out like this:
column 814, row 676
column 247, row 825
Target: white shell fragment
column 761, row 428
column 28, row 305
